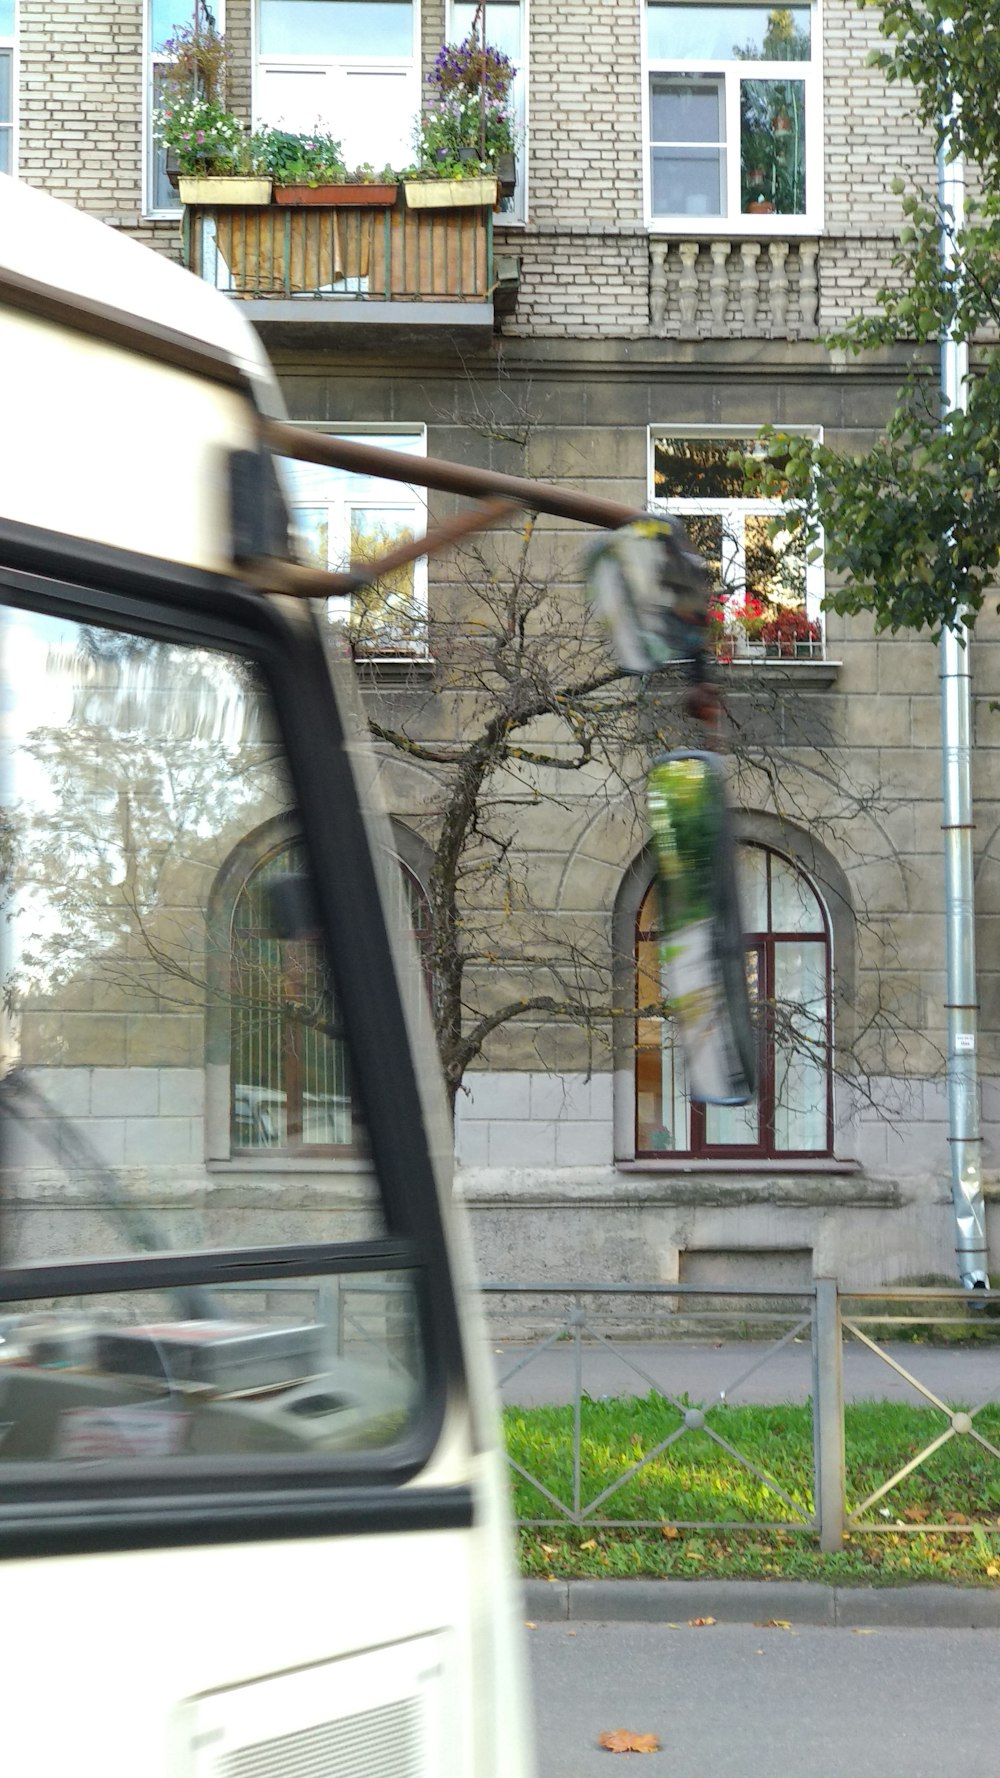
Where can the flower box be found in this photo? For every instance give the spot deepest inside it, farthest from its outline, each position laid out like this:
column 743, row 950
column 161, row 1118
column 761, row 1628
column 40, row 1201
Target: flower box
column 338, row 197
column 481, row 193
column 224, row 189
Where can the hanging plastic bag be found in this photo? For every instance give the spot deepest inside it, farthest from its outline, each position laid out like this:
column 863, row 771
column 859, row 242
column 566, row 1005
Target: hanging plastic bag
column 652, row 590
column 702, row 945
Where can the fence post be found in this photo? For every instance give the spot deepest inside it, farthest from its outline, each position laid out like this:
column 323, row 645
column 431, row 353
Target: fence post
column 828, row 1415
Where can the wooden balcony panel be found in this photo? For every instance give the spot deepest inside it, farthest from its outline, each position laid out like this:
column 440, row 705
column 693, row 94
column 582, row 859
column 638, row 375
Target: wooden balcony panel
column 377, row 256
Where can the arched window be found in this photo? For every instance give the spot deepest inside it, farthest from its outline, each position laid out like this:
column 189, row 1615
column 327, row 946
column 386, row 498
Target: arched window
column 788, row 972
column 290, row 1088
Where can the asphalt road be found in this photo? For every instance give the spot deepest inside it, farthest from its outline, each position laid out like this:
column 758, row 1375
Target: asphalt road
column 737, row 1701
column 966, row 1375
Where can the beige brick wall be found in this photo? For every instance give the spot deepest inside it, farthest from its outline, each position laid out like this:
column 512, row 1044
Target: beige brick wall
column 585, row 259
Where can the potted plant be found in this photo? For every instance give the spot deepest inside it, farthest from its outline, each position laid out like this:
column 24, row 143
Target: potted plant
column 466, row 130
column 789, row 632
column 210, row 155
column 310, row 170
column 217, row 161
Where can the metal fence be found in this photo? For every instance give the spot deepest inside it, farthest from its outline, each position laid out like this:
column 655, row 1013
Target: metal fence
column 818, row 1481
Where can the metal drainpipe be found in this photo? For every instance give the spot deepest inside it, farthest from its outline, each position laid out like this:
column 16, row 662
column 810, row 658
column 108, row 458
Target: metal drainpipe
column 965, row 1142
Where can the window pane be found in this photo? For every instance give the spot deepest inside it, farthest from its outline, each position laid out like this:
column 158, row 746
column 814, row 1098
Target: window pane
column 6, row 18
column 800, row 1046
column 686, row 110
column 351, row 28
column 5, row 85
column 137, row 774
column 296, row 1366
column 725, row 33
column 775, row 566
column 162, row 195
column 705, row 532
column 697, row 468
column 773, row 146
column 751, row 879
column 688, row 181
column 737, row 1126
column 6, row 141
column 386, row 614
column 167, row 17
column 312, row 534
column 794, row 904
column 503, row 26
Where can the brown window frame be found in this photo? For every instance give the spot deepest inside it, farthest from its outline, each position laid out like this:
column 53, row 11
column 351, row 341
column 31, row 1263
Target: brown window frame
column 766, row 944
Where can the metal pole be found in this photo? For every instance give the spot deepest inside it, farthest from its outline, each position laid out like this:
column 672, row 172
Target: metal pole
column 955, row 647
column 828, row 1415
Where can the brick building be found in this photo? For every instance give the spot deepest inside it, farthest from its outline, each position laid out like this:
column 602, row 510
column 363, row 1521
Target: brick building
column 637, row 311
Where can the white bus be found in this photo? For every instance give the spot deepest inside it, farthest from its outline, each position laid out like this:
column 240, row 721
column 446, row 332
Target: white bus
column 252, row 1515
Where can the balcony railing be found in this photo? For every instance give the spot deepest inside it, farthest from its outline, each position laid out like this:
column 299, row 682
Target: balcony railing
column 718, row 289
column 329, row 256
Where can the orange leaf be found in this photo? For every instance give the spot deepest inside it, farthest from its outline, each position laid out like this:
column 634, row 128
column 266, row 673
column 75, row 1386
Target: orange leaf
column 773, row 1623
column 698, row 1623
column 956, row 1519
column 627, row 1741
column 669, row 1531
column 916, row 1514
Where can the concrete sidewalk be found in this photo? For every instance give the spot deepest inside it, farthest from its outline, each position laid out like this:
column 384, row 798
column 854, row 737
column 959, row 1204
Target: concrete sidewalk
column 756, row 1601
column 963, row 1376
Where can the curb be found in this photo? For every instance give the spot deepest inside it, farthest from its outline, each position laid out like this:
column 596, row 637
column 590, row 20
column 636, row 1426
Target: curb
column 928, row 1607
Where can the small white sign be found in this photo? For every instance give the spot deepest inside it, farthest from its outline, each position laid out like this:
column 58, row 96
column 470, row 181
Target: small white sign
column 965, row 1041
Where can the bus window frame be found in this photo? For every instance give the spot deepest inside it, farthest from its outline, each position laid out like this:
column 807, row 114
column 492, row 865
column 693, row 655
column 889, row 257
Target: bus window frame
column 120, row 1505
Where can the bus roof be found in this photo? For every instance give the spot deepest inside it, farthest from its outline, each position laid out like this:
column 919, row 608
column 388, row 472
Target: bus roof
column 48, row 244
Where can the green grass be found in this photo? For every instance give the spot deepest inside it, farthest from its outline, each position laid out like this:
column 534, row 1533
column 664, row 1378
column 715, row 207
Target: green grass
column 696, row 1479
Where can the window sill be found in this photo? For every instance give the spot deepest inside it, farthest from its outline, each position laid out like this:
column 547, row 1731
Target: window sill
column 768, row 225
column 400, row 669
column 779, row 671
column 290, row 1163
column 802, row 1164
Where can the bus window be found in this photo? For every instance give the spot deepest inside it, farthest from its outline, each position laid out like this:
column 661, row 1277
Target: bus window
column 179, row 1081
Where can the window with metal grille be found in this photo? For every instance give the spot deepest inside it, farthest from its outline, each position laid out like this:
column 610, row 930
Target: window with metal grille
column 290, row 1090
column 789, row 974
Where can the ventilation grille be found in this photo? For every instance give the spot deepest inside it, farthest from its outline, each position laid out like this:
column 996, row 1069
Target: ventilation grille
column 386, row 1742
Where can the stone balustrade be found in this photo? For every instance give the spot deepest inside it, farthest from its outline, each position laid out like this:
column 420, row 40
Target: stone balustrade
column 719, row 289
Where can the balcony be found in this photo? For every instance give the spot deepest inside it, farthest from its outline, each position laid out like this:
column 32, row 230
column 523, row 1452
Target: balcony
column 352, row 268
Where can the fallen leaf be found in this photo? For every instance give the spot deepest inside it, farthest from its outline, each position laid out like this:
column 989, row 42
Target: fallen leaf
column 669, row 1531
column 772, row 1623
column 626, row 1741
column 529, row 1625
column 992, row 1570
column 591, row 1544
column 956, row 1519
column 571, row 1632
column 698, row 1623
column 916, row 1514
column 864, row 1632
column 549, row 1548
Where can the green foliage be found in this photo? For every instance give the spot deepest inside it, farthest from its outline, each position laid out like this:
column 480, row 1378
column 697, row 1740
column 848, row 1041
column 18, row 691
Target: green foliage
column 315, row 159
column 913, row 526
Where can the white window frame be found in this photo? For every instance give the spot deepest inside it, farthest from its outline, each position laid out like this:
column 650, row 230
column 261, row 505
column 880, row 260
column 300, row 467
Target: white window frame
column 340, row 66
column 150, row 62
column 8, row 46
column 732, row 508
column 373, row 494
column 518, row 215
column 734, row 224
